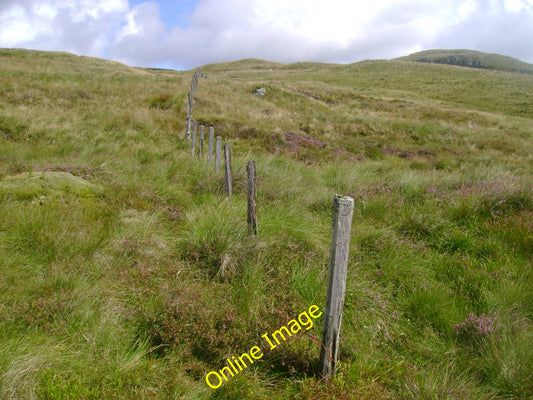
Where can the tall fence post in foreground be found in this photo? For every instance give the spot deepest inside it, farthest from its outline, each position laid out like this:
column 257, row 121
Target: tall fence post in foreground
column 218, row 154
column 227, row 159
column 338, row 265
column 252, row 194
column 201, row 141
column 193, row 145
column 210, row 144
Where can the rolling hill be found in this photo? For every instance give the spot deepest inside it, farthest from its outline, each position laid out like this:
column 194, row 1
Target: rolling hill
column 126, row 272
column 471, row 59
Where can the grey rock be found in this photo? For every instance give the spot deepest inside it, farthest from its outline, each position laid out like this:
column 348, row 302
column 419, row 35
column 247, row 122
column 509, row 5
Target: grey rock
column 259, row 92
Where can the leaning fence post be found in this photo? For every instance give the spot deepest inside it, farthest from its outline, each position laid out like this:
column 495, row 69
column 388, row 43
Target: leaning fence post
column 252, row 194
column 210, row 144
column 218, row 154
column 201, row 141
column 193, row 145
column 338, row 265
column 227, row 160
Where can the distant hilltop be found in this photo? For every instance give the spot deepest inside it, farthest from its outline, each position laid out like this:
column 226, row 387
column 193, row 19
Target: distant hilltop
column 471, row 59
column 462, row 58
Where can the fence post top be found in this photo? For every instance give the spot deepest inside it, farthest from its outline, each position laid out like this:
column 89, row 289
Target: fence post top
column 343, row 199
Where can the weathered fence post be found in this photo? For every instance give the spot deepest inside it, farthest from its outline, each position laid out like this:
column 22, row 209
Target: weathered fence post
column 201, row 141
column 218, row 154
column 190, row 104
column 193, row 145
column 252, row 194
column 210, row 144
column 338, row 265
column 227, row 160
column 189, row 117
column 188, row 127
column 195, row 79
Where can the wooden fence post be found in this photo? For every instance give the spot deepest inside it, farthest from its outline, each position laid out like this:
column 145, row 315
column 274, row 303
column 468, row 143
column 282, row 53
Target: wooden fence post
column 252, row 194
column 195, row 80
column 218, row 154
column 210, row 144
column 193, row 146
column 201, row 141
column 338, row 265
column 227, row 160
column 189, row 118
column 190, row 105
column 188, row 127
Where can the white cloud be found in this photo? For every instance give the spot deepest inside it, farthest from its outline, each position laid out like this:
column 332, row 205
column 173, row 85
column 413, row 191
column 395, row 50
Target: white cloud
column 280, row 30
column 466, row 9
column 517, row 5
column 81, row 27
column 140, row 40
column 16, row 27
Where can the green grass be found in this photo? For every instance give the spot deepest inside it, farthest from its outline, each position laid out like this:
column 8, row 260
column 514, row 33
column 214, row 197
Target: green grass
column 127, row 273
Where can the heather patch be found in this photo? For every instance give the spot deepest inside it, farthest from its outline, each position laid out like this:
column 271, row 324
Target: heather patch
column 475, row 328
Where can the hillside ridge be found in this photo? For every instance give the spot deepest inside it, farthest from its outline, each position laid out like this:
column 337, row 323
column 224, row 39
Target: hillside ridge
column 471, row 59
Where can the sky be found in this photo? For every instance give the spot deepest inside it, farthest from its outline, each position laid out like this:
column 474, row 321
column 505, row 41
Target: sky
column 184, row 34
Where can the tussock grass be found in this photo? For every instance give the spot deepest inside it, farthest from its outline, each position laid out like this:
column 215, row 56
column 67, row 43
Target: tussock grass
column 127, row 273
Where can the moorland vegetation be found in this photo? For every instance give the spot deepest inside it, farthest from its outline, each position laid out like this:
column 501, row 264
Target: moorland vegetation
column 127, row 273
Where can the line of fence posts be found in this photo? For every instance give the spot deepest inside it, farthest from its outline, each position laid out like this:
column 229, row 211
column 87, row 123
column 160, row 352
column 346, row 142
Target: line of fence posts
column 211, row 141
column 190, row 102
column 214, row 144
column 340, row 241
column 218, row 152
column 228, row 184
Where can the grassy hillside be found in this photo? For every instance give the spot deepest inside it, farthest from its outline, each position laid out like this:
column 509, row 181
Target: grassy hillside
column 249, row 63
column 470, row 58
column 127, row 273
